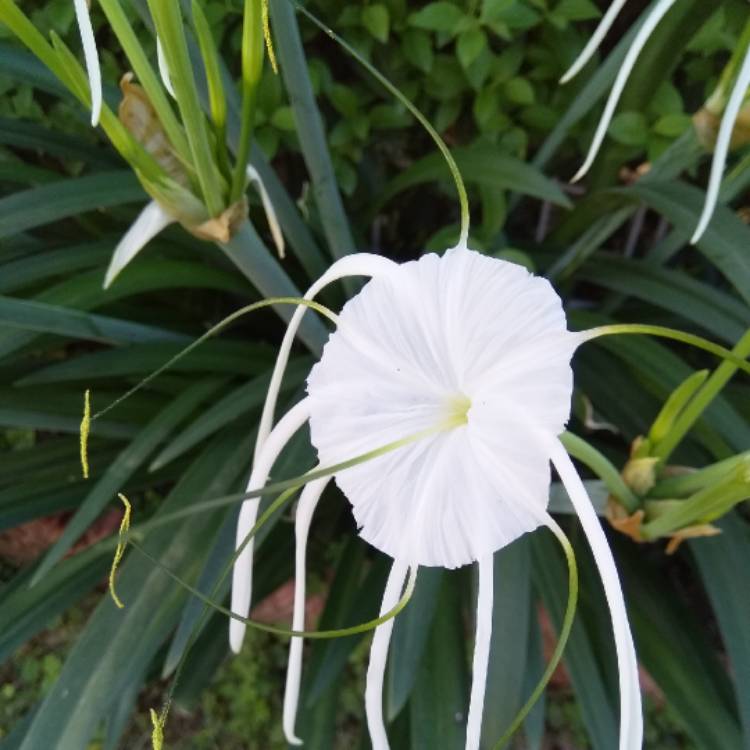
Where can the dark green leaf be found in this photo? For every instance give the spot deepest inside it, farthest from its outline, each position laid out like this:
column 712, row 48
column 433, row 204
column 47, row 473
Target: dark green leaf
column 438, row 703
column 410, row 633
column 43, row 205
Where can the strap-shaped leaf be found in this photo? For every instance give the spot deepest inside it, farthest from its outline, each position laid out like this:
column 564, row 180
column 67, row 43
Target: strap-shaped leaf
column 75, row 195
column 724, row 243
column 439, row 701
column 592, row 692
column 710, row 308
column 673, row 646
column 411, row 631
column 720, row 561
column 506, row 681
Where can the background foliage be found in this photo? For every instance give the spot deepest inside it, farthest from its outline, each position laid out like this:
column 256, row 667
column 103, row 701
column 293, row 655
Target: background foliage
column 485, row 73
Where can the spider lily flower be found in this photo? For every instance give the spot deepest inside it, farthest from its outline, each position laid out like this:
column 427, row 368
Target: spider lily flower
column 728, row 120
column 475, row 351
column 91, row 57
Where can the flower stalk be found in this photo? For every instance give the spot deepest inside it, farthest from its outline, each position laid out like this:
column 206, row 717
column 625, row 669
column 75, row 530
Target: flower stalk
column 252, row 65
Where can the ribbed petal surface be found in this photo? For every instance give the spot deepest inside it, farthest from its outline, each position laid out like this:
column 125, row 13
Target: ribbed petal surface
column 419, row 339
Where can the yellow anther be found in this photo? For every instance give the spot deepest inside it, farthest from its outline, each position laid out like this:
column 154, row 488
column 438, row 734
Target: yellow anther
column 85, row 429
column 267, row 37
column 457, row 411
column 120, row 551
column 157, row 735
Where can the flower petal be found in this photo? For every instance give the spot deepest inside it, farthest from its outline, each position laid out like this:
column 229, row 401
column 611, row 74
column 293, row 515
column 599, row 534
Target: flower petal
column 645, row 31
column 91, row 57
column 379, row 656
column 407, row 346
column 631, row 714
column 242, row 574
column 481, row 652
column 359, row 264
column 596, row 39
column 152, row 220
column 265, row 198
column 305, row 509
column 161, row 61
column 721, row 149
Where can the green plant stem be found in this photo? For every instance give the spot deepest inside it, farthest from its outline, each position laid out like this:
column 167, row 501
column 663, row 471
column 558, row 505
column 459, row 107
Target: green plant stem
column 211, row 604
column 700, row 402
column 252, row 68
column 602, row 467
column 147, row 77
column 718, row 99
column 694, row 481
column 737, row 361
column 217, row 100
column 705, row 506
column 170, row 27
column 570, row 612
column 213, row 331
column 286, row 484
column 675, row 404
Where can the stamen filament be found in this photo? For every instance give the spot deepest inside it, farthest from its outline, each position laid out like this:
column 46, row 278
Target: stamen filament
column 668, row 333
column 596, row 39
column 721, row 149
column 645, row 31
column 481, row 658
column 305, row 509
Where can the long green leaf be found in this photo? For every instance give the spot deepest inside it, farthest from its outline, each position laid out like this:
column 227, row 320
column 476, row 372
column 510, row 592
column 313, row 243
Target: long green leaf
column 42, row 318
column 410, row 633
column 25, row 611
column 70, row 197
column 509, row 645
column 236, row 404
column 27, row 134
column 585, row 673
column 310, row 128
column 724, row 243
column 215, row 357
column 674, row 649
column 713, row 310
column 353, row 597
column 247, row 252
column 36, row 267
column 720, row 561
column 438, row 702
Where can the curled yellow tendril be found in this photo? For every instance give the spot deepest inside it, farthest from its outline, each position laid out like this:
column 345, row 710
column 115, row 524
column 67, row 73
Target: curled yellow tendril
column 85, row 428
column 267, row 37
column 120, row 551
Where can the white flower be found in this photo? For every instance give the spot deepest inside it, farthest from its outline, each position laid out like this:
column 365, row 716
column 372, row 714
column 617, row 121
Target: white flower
column 91, row 57
column 150, row 222
column 161, row 61
column 476, row 349
column 728, row 120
